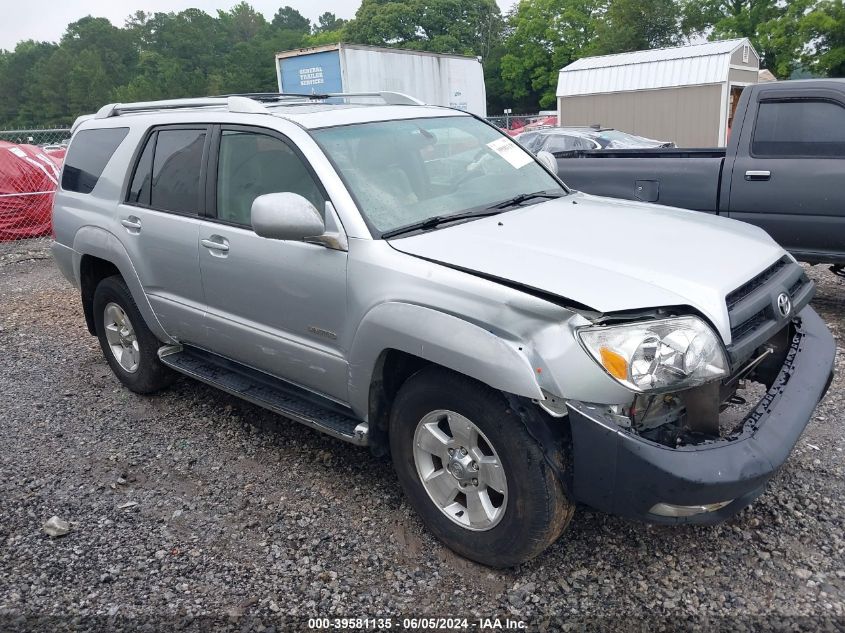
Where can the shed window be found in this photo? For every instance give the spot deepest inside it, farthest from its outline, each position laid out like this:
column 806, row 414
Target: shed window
column 746, row 53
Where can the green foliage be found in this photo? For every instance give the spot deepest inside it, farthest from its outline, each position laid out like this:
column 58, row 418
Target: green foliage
column 825, row 28
column 546, row 35
column 289, row 19
column 192, row 53
column 771, row 25
column 155, row 56
column 329, row 22
column 321, row 38
column 468, row 27
column 633, row 25
column 19, row 92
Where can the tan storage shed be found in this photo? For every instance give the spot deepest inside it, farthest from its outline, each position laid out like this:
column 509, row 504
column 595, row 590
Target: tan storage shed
column 686, row 94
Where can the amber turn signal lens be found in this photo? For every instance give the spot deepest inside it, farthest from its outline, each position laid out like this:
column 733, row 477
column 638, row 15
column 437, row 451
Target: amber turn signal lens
column 614, row 363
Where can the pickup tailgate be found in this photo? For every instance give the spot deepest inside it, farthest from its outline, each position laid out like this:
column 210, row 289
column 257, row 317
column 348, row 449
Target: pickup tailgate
column 689, row 179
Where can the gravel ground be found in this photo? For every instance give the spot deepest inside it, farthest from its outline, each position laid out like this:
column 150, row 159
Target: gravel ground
column 192, row 509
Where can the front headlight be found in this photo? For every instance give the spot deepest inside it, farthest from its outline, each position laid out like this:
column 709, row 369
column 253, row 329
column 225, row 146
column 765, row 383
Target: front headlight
column 660, row 355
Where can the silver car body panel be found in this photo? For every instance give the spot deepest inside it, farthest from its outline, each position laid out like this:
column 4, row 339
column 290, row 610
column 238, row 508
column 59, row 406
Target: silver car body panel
column 321, row 317
column 97, row 242
column 610, row 255
column 463, row 321
column 277, row 306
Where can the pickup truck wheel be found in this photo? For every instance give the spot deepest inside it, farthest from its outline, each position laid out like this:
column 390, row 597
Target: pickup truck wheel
column 472, row 471
column 131, row 350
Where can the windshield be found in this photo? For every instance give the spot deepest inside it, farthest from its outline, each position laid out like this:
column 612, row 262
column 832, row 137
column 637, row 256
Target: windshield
column 404, row 172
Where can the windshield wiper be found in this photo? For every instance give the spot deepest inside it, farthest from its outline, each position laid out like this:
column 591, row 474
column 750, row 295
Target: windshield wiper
column 525, row 197
column 437, row 220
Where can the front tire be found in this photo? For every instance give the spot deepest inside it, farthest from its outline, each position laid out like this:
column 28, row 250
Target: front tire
column 129, row 346
column 472, row 471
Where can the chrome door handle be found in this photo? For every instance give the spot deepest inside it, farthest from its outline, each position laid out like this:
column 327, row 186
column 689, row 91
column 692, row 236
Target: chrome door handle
column 758, row 174
column 131, row 223
column 215, row 245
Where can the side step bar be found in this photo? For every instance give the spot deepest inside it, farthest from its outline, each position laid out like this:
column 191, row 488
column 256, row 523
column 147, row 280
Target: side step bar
column 262, row 389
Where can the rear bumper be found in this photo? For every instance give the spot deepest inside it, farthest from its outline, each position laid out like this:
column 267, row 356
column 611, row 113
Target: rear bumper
column 624, row 474
column 64, row 258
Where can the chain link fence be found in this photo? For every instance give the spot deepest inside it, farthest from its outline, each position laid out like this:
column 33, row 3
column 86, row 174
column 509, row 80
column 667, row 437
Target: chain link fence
column 30, row 162
column 517, row 122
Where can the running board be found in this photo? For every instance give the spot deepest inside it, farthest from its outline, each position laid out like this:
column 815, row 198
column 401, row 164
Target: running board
column 262, row 389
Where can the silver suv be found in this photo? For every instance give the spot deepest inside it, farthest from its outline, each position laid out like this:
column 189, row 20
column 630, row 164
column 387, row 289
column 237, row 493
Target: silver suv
column 408, row 278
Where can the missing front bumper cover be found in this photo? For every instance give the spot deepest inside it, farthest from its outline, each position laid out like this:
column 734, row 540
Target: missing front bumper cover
column 617, row 471
column 711, row 411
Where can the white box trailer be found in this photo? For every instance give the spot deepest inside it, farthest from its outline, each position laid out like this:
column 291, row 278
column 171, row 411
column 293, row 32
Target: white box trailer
column 437, row 79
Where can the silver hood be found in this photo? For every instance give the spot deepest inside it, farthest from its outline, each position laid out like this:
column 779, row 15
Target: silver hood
column 608, row 254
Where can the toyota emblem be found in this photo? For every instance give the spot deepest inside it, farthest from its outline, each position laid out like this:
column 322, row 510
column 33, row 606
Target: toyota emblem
column 784, row 305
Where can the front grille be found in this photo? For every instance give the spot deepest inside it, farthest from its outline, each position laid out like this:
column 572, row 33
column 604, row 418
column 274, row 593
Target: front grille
column 752, row 307
column 749, row 326
column 796, row 287
column 760, row 280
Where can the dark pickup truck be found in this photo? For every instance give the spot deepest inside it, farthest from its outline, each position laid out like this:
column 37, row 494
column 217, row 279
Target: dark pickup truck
column 783, row 169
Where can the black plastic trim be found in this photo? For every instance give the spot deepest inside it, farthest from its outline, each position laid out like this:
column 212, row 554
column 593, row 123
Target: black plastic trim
column 621, row 473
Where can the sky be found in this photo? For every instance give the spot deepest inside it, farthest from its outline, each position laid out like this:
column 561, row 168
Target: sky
column 47, row 19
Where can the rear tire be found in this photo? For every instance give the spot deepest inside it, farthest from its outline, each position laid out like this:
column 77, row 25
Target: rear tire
column 129, row 346
column 496, row 517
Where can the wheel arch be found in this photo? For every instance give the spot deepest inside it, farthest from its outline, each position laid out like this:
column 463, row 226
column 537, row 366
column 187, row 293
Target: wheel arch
column 92, row 270
column 394, row 340
column 100, row 254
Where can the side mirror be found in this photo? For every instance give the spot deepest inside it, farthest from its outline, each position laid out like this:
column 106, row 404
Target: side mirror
column 547, row 160
column 285, row 216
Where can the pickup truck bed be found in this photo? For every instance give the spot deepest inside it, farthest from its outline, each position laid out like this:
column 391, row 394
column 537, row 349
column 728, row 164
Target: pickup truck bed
column 691, row 183
column 782, row 170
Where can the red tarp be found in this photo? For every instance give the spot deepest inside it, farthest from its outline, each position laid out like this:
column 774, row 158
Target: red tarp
column 57, row 154
column 28, row 180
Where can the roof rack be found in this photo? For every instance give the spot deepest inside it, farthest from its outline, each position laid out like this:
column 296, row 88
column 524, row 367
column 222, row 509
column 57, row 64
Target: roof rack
column 281, row 98
column 390, row 98
column 254, row 102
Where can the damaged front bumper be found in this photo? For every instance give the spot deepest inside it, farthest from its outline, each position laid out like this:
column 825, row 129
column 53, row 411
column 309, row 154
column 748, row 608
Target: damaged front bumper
column 622, row 473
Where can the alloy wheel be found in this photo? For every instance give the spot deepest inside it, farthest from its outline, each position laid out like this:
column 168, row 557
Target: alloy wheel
column 460, row 470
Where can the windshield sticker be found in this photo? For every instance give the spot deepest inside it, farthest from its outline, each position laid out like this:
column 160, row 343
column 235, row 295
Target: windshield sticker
column 511, row 152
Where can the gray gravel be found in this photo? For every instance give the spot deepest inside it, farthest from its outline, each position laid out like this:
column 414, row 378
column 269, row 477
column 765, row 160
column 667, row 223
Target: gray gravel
column 192, row 508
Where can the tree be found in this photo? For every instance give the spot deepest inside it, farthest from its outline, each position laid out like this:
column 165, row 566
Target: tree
column 824, row 29
column 289, row 19
column 242, row 22
column 633, row 25
column 19, row 95
column 178, row 54
column 94, row 57
column 771, row 25
column 546, row 36
column 468, row 27
column 329, row 22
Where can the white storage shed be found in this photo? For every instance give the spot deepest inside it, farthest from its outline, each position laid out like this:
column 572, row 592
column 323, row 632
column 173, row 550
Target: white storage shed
column 686, row 94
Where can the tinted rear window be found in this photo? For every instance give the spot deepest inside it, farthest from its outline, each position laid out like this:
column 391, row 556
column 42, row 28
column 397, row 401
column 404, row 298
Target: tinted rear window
column 87, row 157
column 800, row 128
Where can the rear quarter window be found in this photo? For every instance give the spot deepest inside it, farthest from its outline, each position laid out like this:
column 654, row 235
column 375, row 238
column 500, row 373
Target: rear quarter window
column 88, row 156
